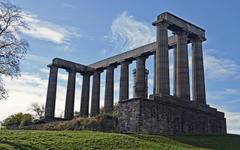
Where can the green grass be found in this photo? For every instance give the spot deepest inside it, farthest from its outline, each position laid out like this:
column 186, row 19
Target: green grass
column 38, row 140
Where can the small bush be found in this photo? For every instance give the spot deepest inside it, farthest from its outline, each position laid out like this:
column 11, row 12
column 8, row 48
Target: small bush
column 103, row 122
column 18, row 120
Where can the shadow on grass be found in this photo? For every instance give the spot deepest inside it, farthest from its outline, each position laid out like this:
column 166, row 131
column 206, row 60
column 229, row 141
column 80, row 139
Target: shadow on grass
column 216, row 142
column 18, row 146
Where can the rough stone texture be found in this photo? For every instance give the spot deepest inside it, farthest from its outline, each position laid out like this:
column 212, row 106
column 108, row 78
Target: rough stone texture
column 169, row 115
column 198, row 83
column 51, row 93
column 178, row 23
column 162, row 114
column 175, row 71
column 140, row 77
column 108, row 101
column 95, row 103
column 68, row 65
column 145, row 83
column 182, row 69
column 154, row 73
column 69, row 106
column 146, row 50
column 84, row 107
column 162, row 61
column 124, row 81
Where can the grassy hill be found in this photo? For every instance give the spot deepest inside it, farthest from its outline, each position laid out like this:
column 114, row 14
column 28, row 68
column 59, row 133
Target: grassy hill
column 39, row 140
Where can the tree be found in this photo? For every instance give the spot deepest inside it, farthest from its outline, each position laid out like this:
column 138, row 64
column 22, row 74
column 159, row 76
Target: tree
column 38, row 110
column 12, row 47
column 17, row 120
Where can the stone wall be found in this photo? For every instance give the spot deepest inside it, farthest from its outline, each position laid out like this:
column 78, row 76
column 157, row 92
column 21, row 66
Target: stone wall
column 170, row 116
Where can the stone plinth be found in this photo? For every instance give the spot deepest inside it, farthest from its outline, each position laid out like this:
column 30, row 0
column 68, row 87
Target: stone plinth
column 170, row 116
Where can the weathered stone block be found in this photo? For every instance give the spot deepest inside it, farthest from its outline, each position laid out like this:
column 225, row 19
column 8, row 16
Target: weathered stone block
column 170, row 116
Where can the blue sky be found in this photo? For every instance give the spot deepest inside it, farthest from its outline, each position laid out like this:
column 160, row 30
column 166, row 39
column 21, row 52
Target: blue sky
column 88, row 31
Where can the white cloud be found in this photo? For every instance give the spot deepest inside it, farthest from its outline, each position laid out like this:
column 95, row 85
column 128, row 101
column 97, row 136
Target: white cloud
column 37, row 59
column 48, row 31
column 233, row 122
column 22, row 93
column 30, row 88
column 232, row 91
column 61, row 76
column 232, row 118
column 221, row 95
column 128, row 33
column 216, row 67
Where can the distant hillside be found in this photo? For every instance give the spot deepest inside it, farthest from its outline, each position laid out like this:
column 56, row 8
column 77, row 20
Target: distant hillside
column 41, row 140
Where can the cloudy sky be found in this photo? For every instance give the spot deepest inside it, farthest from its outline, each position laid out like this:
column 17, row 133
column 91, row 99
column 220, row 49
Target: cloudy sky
column 88, row 31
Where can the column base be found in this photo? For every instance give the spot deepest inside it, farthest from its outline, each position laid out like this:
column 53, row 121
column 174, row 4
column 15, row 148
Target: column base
column 52, row 119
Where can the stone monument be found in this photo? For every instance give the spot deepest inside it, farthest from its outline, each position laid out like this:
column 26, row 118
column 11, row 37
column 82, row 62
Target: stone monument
column 161, row 113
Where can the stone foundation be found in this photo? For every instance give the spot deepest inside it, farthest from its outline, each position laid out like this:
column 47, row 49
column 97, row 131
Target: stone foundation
column 170, row 116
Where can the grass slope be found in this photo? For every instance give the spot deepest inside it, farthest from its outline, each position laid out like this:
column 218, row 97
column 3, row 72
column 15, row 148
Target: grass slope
column 38, row 140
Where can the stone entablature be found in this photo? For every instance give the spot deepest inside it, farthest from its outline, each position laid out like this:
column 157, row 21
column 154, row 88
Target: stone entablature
column 175, row 24
column 68, row 65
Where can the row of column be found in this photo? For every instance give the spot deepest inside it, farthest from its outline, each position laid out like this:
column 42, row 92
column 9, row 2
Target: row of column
column 181, row 68
column 140, row 86
column 161, row 77
column 70, row 96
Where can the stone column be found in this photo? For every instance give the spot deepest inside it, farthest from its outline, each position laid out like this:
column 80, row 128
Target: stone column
column 69, row 107
column 109, row 90
column 182, row 71
column 198, row 83
column 154, row 74
column 84, row 107
column 145, row 83
column 140, row 77
column 175, row 70
column 51, row 93
column 162, row 60
column 95, row 103
column 124, row 81
column 134, row 83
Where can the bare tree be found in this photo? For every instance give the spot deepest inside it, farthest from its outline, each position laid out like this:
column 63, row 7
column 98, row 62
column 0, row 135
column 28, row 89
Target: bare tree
column 38, row 110
column 12, row 47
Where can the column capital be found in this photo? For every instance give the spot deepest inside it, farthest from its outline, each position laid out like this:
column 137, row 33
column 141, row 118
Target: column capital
column 126, row 62
column 86, row 73
column 196, row 39
column 70, row 70
column 180, row 32
column 160, row 24
column 52, row 66
column 111, row 67
column 98, row 71
column 142, row 57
